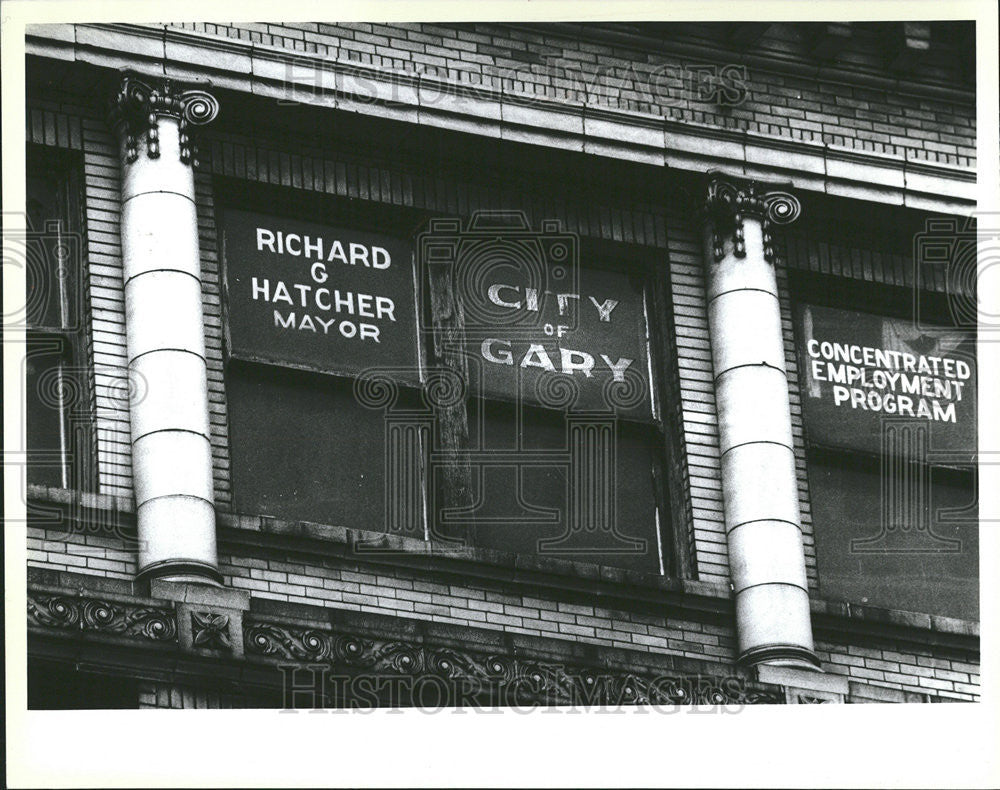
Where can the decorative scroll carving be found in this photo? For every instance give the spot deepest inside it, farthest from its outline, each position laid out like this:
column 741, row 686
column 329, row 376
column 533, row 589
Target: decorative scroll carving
column 509, row 679
column 729, row 201
column 514, row 679
column 63, row 612
column 310, row 645
column 137, row 108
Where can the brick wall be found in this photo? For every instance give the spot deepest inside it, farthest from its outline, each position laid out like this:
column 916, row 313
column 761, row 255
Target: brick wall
column 211, row 287
column 355, row 586
column 913, row 670
column 342, row 584
column 94, row 554
column 530, row 64
column 697, row 393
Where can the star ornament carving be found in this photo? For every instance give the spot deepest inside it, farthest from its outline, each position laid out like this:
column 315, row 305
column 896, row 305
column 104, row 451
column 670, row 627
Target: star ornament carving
column 209, row 629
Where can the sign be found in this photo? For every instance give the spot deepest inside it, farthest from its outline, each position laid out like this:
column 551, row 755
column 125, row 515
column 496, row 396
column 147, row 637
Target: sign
column 581, row 348
column 318, row 297
column 857, row 370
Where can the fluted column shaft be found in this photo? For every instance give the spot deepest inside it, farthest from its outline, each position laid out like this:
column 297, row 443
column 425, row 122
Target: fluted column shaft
column 759, row 486
column 171, row 451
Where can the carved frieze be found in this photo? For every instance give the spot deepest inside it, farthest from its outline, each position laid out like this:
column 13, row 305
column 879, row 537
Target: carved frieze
column 66, row 612
column 512, row 677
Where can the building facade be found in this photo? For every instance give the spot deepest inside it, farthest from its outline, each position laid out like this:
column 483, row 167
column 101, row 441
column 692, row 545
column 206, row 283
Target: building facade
column 441, row 364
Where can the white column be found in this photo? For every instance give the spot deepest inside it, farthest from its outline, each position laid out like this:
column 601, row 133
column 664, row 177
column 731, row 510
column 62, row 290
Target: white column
column 759, row 486
column 171, row 452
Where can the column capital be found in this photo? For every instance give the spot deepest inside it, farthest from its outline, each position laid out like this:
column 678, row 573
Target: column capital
column 731, row 199
column 139, row 104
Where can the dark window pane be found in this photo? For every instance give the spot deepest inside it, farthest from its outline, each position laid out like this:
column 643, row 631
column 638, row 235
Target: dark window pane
column 882, row 539
column 47, row 291
column 303, row 448
column 576, row 487
column 45, row 396
column 59, row 405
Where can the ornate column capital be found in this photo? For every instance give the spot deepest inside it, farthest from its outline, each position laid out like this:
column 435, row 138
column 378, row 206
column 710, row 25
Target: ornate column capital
column 729, row 200
column 138, row 106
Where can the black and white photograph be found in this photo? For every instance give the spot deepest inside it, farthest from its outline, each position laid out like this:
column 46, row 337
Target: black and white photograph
column 543, row 369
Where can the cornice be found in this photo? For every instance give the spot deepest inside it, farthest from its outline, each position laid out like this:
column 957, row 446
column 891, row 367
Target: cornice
column 263, row 71
column 771, row 62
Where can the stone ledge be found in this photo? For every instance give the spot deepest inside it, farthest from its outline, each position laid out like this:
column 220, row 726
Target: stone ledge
column 864, row 692
column 421, row 631
column 802, row 679
column 942, row 188
column 601, row 584
column 895, row 617
column 226, row 597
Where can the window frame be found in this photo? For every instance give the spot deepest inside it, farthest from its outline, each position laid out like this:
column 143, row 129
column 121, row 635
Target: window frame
column 71, row 337
column 672, row 525
column 807, row 287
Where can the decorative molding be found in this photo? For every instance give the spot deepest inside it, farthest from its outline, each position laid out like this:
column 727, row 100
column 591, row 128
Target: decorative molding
column 511, row 676
column 210, row 630
column 730, row 200
column 99, row 624
column 137, row 108
column 517, row 677
column 261, row 70
column 832, row 621
column 65, row 612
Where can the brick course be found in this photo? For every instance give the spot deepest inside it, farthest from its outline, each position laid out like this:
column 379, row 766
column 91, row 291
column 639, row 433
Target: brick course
column 528, row 64
column 338, row 584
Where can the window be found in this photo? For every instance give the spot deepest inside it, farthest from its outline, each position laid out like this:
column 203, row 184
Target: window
column 56, row 376
column 505, row 395
column 565, row 440
column 889, row 407
column 318, row 295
